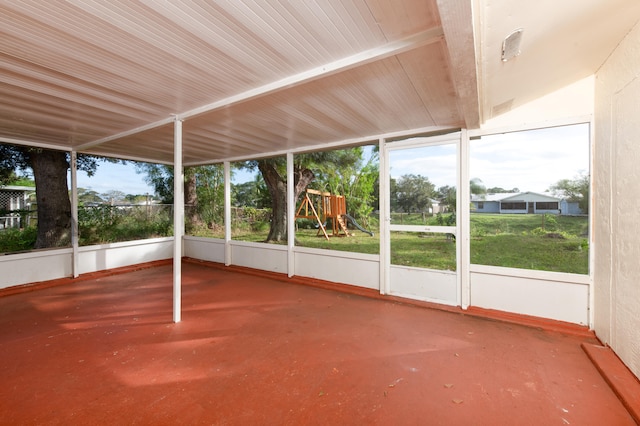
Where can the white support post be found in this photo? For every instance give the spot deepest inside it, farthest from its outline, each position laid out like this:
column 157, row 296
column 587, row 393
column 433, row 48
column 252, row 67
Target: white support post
column 291, row 217
column 74, row 214
column 463, row 214
column 178, row 220
column 385, row 212
column 227, row 213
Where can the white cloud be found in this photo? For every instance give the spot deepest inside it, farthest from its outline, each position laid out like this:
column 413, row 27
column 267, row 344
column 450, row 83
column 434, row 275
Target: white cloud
column 529, row 160
column 438, row 163
column 532, row 160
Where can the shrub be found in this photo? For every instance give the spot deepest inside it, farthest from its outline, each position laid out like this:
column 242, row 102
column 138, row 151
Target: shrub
column 12, row 240
column 450, row 220
column 439, row 219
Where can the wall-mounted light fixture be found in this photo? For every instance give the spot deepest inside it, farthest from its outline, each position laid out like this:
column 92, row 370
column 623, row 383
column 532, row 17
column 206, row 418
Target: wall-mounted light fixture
column 511, row 45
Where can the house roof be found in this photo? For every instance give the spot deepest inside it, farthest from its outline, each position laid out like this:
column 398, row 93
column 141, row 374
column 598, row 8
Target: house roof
column 250, row 79
column 15, row 188
column 514, row 196
column 492, row 197
column 530, row 196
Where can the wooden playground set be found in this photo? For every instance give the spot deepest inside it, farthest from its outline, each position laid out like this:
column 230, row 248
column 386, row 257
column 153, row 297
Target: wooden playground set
column 329, row 207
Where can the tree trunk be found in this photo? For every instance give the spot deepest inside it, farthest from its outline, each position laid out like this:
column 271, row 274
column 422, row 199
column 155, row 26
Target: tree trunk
column 193, row 218
column 303, row 178
column 52, row 194
column 277, row 187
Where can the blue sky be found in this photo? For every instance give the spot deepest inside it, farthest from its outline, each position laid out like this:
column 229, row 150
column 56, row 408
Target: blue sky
column 123, row 177
column 110, row 176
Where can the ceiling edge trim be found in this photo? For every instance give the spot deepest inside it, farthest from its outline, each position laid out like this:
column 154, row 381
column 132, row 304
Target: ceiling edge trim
column 126, row 157
column 373, row 139
column 43, row 145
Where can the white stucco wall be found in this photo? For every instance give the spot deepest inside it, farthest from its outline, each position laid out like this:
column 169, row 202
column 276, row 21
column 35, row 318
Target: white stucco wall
column 572, row 101
column 617, row 201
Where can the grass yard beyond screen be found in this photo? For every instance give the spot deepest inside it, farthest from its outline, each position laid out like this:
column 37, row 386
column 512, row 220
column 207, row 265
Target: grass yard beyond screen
column 527, row 241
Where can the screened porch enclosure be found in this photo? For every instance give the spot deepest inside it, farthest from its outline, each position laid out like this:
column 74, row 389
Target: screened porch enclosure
column 346, row 82
column 185, row 84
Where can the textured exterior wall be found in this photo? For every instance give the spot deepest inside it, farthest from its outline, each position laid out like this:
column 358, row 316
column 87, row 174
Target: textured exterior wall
column 617, row 201
column 574, row 100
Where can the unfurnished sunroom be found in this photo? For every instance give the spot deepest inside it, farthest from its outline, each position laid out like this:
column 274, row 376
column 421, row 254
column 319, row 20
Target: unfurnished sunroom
column 454, row 84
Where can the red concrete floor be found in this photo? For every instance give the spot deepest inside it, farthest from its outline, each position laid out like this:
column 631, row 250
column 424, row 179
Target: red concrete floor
column 254, row 350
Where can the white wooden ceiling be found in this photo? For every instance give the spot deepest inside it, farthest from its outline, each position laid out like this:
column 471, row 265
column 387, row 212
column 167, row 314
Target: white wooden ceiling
column 252, row 78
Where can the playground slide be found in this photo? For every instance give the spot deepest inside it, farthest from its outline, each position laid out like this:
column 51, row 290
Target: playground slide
column 357, row 225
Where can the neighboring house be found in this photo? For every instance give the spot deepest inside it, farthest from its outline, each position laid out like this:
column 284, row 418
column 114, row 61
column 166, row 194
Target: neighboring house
column 436, row 207
column 523, row 202
column 13, row 198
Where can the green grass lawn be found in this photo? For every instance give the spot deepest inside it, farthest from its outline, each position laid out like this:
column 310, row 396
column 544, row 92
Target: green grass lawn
column 548, row 243
column 359, row 242
column 540, row 242
column 531, row 252
column 496, row 224
column 514, row 241
column 433, row 251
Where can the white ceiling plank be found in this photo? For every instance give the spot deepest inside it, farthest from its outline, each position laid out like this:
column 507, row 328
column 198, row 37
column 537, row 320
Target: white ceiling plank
column 363, row 58
column 121, row 135
column 430, row 36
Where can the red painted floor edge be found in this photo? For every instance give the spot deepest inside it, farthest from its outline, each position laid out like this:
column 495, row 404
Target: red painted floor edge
column 24, row 288
column 621, row 380
column 531, row 321
column 519, row 319
column 524, row 320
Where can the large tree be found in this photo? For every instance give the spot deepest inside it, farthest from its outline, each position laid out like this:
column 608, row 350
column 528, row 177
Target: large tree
column 476, row 187
column 330, row 165
column 352, row 175
column 161, row 176
column 499, row 190
column 448, row 197
column 201, row 182
column 574, row 190
column 52, row 193
column 412, row 193
column 89, row 197
column 305, row 167
column 274, row 173
column 253, row 193
column 210, row 193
